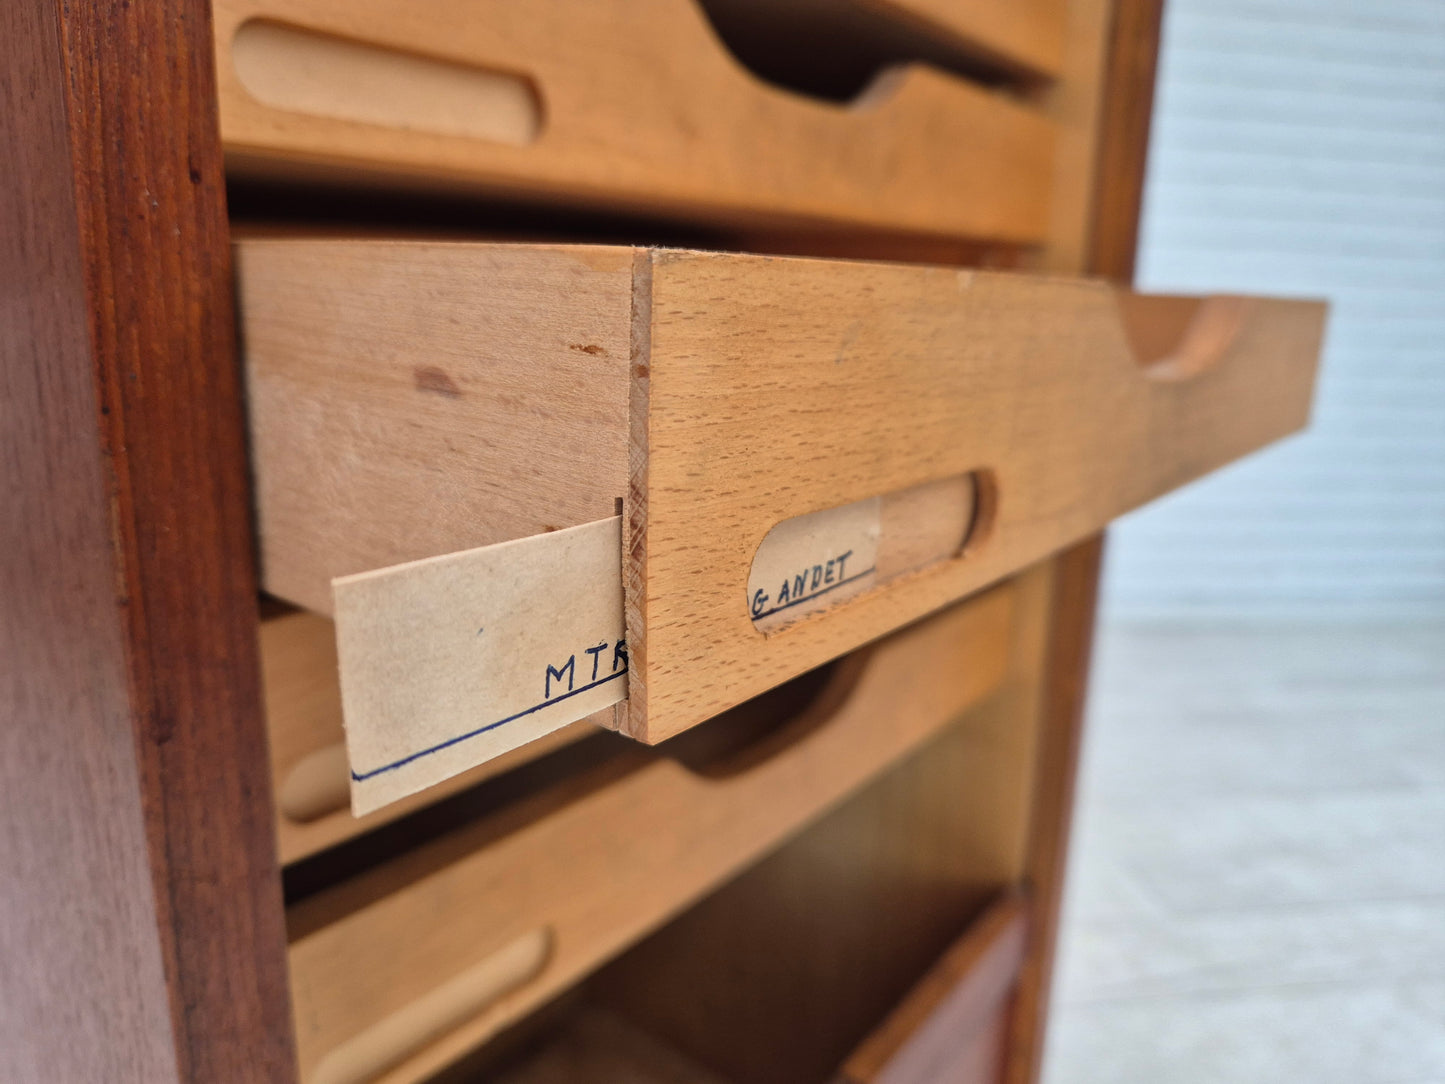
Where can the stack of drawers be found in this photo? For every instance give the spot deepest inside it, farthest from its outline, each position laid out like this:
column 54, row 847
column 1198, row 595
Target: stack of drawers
column 411, row 398
column 827, row 848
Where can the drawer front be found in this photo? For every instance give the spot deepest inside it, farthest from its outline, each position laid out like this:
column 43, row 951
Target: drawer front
column 400, row 971
column 410, row 400
column 629, row 103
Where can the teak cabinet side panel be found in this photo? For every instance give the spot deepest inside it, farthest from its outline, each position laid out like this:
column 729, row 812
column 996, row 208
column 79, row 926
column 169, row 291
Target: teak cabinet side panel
column 150, row 937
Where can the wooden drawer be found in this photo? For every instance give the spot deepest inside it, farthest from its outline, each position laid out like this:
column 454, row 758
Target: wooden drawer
column 411, row 399
column 636, row 105
column 398, row 972
column 950, row 1029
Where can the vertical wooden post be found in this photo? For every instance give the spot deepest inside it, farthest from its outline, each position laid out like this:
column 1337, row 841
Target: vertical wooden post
column 141, row 924
column 1127, row 95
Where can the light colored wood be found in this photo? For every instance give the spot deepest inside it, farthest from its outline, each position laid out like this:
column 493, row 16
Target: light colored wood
column 308, row 752
column 759, row 388
column 641, row 108
column 453, row 661
column 777, row 386
column 927, row 1037
column 366, row 949
column 1025, row 34
column 775, row 977
column 448, row 399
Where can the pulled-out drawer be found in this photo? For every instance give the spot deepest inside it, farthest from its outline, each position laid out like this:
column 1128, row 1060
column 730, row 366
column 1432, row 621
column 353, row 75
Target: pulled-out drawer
column 637, row 105
column 401, row 970
column 806, row 453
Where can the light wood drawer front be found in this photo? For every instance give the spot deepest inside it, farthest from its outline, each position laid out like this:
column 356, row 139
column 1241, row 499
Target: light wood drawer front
column 410, row 399
column 632, row 104
column 1023, row 39
column 398, row 972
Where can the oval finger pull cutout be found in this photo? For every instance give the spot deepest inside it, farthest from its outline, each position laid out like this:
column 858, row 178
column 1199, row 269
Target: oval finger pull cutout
column 816, row 561
column 305, row 71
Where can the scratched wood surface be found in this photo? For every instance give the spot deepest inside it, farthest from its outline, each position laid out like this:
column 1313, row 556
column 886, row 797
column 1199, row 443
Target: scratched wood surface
column 633, row 104
column 1034, row 383
column 370, row 950
column 950, row 1027
column 410, row 400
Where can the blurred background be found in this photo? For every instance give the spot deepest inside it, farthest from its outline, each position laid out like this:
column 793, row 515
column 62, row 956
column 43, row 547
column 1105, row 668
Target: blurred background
column 1257, row 890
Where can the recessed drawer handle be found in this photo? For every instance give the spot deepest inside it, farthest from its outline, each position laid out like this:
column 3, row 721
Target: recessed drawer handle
column 394, row 1038
column 819, row 560
column 317, row 784
column 1178, row 338
column 302, row 71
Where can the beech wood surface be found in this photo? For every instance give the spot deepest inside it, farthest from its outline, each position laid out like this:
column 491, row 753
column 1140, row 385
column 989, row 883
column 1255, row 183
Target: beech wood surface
column 638, row 106
column 368, row 949
column 778, row 975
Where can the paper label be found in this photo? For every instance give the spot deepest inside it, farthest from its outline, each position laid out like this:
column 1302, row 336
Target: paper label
column 451, row 661
column 811, row 562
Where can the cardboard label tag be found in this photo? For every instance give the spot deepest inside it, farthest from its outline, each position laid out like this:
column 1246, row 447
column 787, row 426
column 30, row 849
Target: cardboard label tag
column 451, row 661
column 811, row 562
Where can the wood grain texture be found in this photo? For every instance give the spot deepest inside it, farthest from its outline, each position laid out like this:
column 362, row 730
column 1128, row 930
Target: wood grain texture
column 140, row 875
column 1123, row 147
column 643, row 109
column 777, row 976
column 368, row 948
column 1060, row 733
column 930, row 1036
column 759, row 389
column 1117, row 197
column 777, row 387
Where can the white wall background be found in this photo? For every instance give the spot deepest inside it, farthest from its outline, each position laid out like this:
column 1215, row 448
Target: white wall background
column 1299, row 148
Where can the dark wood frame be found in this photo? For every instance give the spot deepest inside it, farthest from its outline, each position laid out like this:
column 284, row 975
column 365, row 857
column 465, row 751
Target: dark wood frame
column 141, row 925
